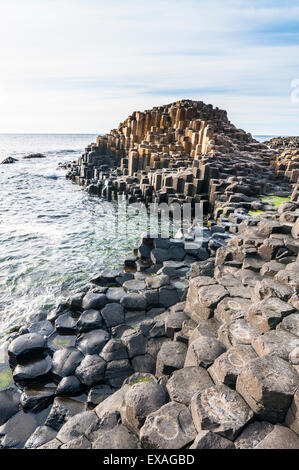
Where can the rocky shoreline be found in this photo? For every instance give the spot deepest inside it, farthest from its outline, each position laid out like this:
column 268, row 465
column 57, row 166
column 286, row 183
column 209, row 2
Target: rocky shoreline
column 192, row 345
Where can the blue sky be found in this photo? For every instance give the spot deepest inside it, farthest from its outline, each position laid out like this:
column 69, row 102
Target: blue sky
column 84, row 65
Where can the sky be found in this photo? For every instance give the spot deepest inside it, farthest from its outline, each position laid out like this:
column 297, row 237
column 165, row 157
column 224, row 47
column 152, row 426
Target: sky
column 82, row 66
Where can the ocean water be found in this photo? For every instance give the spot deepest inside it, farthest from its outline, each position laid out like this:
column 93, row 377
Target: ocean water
column 53, row 236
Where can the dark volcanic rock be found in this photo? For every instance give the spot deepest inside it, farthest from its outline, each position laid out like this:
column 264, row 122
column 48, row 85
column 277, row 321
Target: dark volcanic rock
column 32, row 372
column 91, row 370
column 184, row 383
column 94, row 301
column 26, row 347
column 9, row 403
column 92, row 342
column 69, row 386
column 65, row 361
column 113, row 314
column 89, row 320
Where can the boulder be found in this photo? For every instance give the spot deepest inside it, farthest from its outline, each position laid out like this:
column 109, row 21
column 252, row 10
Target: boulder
column 26, row 347
column 141, row 400
column 279, row 438
column 92, row 342
column 292, row 418
column 117, row 438
column 113, row 314
column 41, row 436
column 108, row 411
column 279, row 343
column 92, row 301
column 220, row 409
column 203, row 352
column 184, row 383
column 210, row 440
column 17, row 430
column 69, row 386
column 43, row 328
column 135, row 343
column 170, row 427
column 65, row 361
column 134, row 301
column 98, row 394
column 253, row 434
column 237, row 332
column 115, row 294
column 114, row 350
column 36, row 399
column 8, row 160
column 9, row 403
column 230, row 309
column 76, row 426
column 171, row 357
column 78, row 443
column 66, row 324
column 203, row 299
column 267, row 314
column 91, row 370
column 89, row 320
column 32, row 372
column 117, row 372
column 268, row 385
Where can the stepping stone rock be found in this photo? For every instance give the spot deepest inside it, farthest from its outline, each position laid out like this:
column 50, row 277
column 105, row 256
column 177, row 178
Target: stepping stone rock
column 69, row 386
column 203, row 352
column 292, row 418
column 202, row 300
column 134, row 285
column 154, row 345
column 174, row 322
column 92, row 342
column 271, row 288
column 141, row 400
column 75, row 301
column 265, row 315
column 79, row 443
column 290, row 324
column 65, row 361
column 91, row 370
column 171, row 357
column 37, row 399
column 41, row 435
column 113, row 314
column 33, row 372
column 114, row 350
column 184, row 383
column 117, row 372
column 76, row 426
column 9, row 403
column 89, row 320
column 237, row 332
column 43, row 328
column 93, row 301
column 117, row 438
column 210, row 440
column 98, row 394
column 62, row 409
column 134, row 301
column 54, row 444
column 144, row 363
column 66, row 324
column 220, row 409
column 155, row 282
column 140, row 377
column 268, row 385
column 26, row 347
column 170, row 427
column 230, row 309
column 228, row 366
column 253, row 434
column 168, row 296
column 17, row 430
column 135, row 343
column 280, row 438
column 279, row 343
column 115, row 294
column 108, row 411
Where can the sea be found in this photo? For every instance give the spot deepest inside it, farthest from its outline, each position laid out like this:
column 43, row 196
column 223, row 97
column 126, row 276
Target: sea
column 54, row 237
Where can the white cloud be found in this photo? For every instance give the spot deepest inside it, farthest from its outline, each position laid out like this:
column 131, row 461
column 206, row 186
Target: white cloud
column 83, row 65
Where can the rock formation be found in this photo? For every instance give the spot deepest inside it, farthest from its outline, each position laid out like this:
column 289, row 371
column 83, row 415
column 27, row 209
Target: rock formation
column 182, row 152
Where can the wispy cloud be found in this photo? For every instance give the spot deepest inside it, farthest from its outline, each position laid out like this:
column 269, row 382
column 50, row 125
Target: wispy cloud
column 83, row 65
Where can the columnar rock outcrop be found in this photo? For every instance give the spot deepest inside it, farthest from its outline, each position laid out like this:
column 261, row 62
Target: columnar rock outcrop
column 182, row 152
